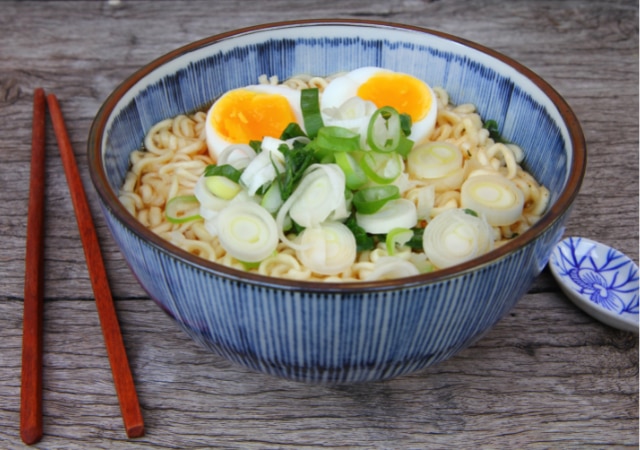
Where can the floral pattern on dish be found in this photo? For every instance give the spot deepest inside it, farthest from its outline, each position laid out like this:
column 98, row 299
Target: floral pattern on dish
column 598, row 274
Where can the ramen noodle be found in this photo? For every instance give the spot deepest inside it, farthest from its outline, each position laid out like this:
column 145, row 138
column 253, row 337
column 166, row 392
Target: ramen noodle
column 178, row 151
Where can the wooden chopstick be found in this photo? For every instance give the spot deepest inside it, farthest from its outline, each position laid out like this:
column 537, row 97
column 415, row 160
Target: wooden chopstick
column 31, row 388
column 122, row 377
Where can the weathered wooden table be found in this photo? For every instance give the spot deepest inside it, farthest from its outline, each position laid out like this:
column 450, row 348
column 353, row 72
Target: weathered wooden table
column 547, row 376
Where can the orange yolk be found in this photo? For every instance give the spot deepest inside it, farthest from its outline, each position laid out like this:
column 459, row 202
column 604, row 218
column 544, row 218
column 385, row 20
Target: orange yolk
column 242, row 116
column 405, row 93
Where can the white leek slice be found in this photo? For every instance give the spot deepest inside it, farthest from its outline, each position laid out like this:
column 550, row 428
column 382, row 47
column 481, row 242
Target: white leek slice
column 390, row 267
column 319, row 194
column 454, row 237
column 452, row 181
column 354, row 114
column 424, row 198
column 319, row 208
column 398, row 213
column 211, row 205
column 247, row 231
column 272, row 199
column 272, row 145
column 422, row 263
column 433, row 160
column 237, row 155
column 222, row 187
column 495, row 197
column 264, row 168
column 208, row 201
column 327, row 249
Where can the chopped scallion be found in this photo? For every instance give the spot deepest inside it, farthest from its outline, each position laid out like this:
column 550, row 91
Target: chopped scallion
column 225, row 170
column 181, row 209
column 355, row 176
column 385, row 130
column 310, row 107
column 372, row 199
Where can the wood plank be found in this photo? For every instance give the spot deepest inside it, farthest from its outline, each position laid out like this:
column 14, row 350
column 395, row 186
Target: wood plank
column 547, row 376
column 544, row 371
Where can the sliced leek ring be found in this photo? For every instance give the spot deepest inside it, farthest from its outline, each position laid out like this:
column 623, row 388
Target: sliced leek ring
column 398, row 213
column 237, row 155
column 247, row 231
column 495, row 197
column 390, row 267
column 319, row 194
column 264, row 168
column 434, row 160
column 454, row 237
column 222, row 187
column 183, row 208
column 327, row 249
column 208, row 201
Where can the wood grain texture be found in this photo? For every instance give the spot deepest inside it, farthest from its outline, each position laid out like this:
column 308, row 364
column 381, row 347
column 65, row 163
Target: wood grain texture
column 547, row 376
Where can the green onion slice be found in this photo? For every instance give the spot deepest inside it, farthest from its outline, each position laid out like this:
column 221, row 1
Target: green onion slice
column 310, row 106
column 292, row 130
column 354, row 175
column 382, row 168
column 397, row 237
column 372, row 199
column 181, row 209
column 222, row 187
column 385, row 130
column 332, row 140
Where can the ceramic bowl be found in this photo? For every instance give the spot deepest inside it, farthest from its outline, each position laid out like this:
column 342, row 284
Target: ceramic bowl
column 329, row 332
column 600, row 280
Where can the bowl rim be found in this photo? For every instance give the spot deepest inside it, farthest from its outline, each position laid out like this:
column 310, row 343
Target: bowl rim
column 556, row 210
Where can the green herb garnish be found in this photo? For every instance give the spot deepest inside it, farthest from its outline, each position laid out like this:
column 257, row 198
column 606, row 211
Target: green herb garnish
column 494, row 131
column 225, row 170
column 364, row 241
column 296, row 161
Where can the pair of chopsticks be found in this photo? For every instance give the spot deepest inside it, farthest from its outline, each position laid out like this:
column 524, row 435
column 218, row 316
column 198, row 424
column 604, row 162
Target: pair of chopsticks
column 31, row 390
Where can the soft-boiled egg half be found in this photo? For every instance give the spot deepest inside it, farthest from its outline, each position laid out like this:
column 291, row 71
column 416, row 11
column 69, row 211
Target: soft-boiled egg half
column 404, row 92
column 251, row 113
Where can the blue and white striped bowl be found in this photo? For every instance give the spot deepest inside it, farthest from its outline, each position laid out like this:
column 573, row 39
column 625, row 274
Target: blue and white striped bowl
column 329, row 332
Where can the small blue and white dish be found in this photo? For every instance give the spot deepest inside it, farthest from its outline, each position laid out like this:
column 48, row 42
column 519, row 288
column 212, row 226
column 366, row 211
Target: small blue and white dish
column 600, row 280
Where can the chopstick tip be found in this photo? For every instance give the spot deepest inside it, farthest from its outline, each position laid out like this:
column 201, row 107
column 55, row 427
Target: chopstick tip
column 31, row 435
column 135, row 431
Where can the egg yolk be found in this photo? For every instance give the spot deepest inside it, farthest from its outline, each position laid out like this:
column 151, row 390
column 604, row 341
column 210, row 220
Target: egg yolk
column 405, row 93
column 243, row 115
